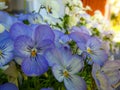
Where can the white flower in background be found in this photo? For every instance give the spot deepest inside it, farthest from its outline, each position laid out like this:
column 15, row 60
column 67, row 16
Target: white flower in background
column 73, row 2
column 3, row 6
column 74, row 7
column 54, row 8
column 48, row 18
column 99, row 22
column 2, row 28
column 73, row 20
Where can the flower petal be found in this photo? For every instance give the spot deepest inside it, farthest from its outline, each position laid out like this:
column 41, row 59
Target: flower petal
column 113, row 76
column 19, row 29
column 7, row 20
column 82, row 29
column 44, row 45
column 75, row 83
column 58, row 72
column 4, row 35
column 100, row 78
column 111, row 65
column 75, row 64
column 103, row 80
column 95, row 69
column 22, row 45
column 94, row 43
column 35, row 66
column 6, row 46
column 99, row 57
column 8, row 86
column 58, row 56
column 80, row 38
column 43, row 32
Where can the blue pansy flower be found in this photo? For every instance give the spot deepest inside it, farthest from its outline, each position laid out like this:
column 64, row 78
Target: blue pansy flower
column 8, row 86
column 31, row 45
column 91, row 47
column 107, row 77
column 65, row 66
column 6, row 48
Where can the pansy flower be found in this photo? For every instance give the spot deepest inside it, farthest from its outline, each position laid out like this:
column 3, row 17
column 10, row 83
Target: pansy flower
column 30, row 45
column 6, row 48
column 91, row 47
column 8, row 86
column 65, row 66
column 107, row 77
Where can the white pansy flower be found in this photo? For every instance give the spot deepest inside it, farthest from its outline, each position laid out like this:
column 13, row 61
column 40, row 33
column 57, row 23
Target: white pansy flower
column 55, row 8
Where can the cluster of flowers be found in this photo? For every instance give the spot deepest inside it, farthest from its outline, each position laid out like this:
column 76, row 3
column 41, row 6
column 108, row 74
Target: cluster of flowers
column 63, row 40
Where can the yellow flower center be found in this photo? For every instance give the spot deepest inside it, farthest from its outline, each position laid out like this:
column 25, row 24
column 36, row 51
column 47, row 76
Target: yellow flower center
column 65, row 74
column 89, row 50
column 33, row 53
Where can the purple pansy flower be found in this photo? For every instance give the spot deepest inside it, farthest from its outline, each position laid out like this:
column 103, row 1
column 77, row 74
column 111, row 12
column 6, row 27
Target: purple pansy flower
column 91, row 47
column 64, row 68
column 107, row 77
column 6, row 48
column 8, row 86
column 31, row 45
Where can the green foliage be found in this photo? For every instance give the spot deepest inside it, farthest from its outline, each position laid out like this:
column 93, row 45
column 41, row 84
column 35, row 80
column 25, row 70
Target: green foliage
column 3, row 77
column 45, row 80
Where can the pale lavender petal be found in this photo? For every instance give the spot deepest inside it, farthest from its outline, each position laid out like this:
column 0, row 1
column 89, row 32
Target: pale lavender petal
column 75, row 64
column 111, row 65
column 99, row 57
column 75, row 83
column 58, row 56
column 103, row 79
column 82, row 29
column 95, row 69
column 114, row 76
column 93, row 43
column 58, row 72
column 79, row 37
